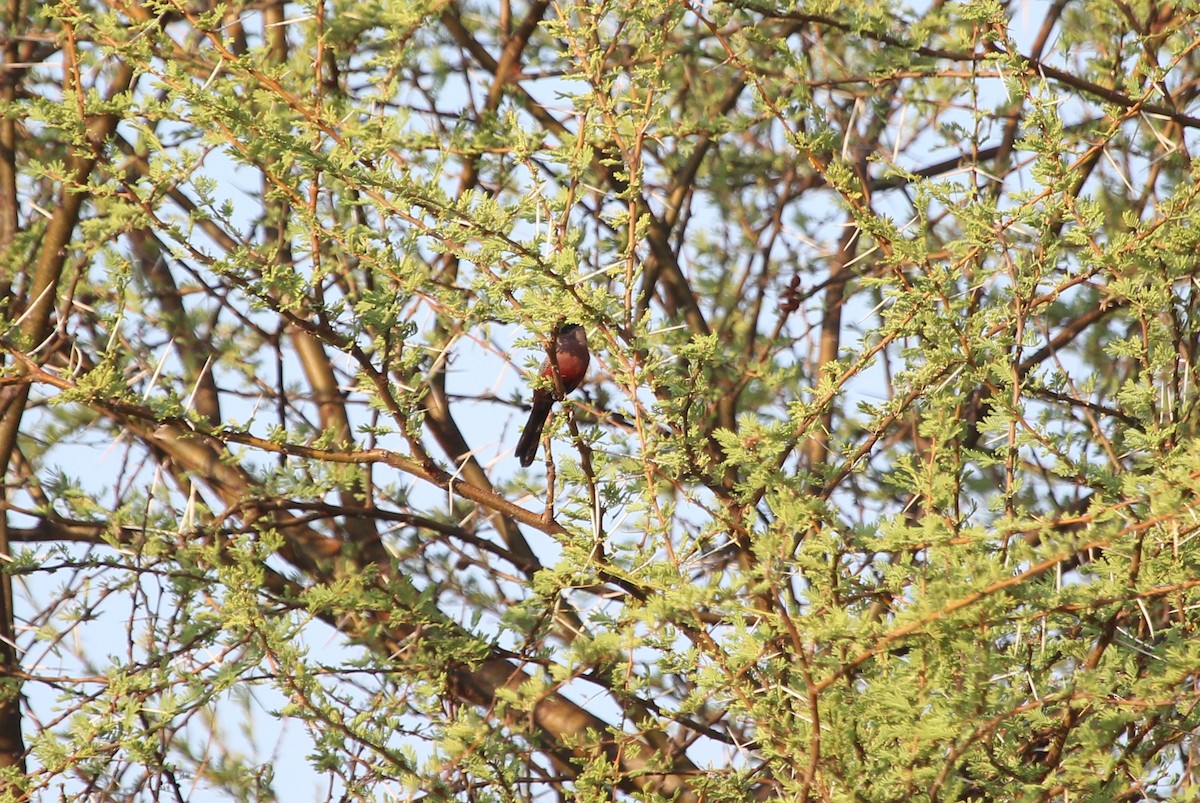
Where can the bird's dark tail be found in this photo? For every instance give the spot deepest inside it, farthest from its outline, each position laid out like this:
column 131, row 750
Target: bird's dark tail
column 532, row 434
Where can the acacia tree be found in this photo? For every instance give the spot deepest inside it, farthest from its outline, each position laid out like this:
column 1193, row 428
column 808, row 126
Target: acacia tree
column 882, row 485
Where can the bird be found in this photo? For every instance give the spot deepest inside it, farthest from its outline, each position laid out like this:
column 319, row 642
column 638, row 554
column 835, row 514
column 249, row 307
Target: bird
column 571, row 360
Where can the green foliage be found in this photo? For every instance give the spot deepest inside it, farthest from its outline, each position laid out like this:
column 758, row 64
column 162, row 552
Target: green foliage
column 882, row 485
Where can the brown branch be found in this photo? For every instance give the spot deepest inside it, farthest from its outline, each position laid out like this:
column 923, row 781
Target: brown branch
column 561, row 721
column 35, row 327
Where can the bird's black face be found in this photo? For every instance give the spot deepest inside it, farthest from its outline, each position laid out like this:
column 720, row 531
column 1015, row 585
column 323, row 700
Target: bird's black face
column 568, row 328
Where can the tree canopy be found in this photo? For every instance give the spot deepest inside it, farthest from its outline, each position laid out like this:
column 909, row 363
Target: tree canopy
column 882, row 485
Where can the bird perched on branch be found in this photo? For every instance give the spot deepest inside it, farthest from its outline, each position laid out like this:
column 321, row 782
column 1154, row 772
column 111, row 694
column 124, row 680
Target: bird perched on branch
column 570, row 363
